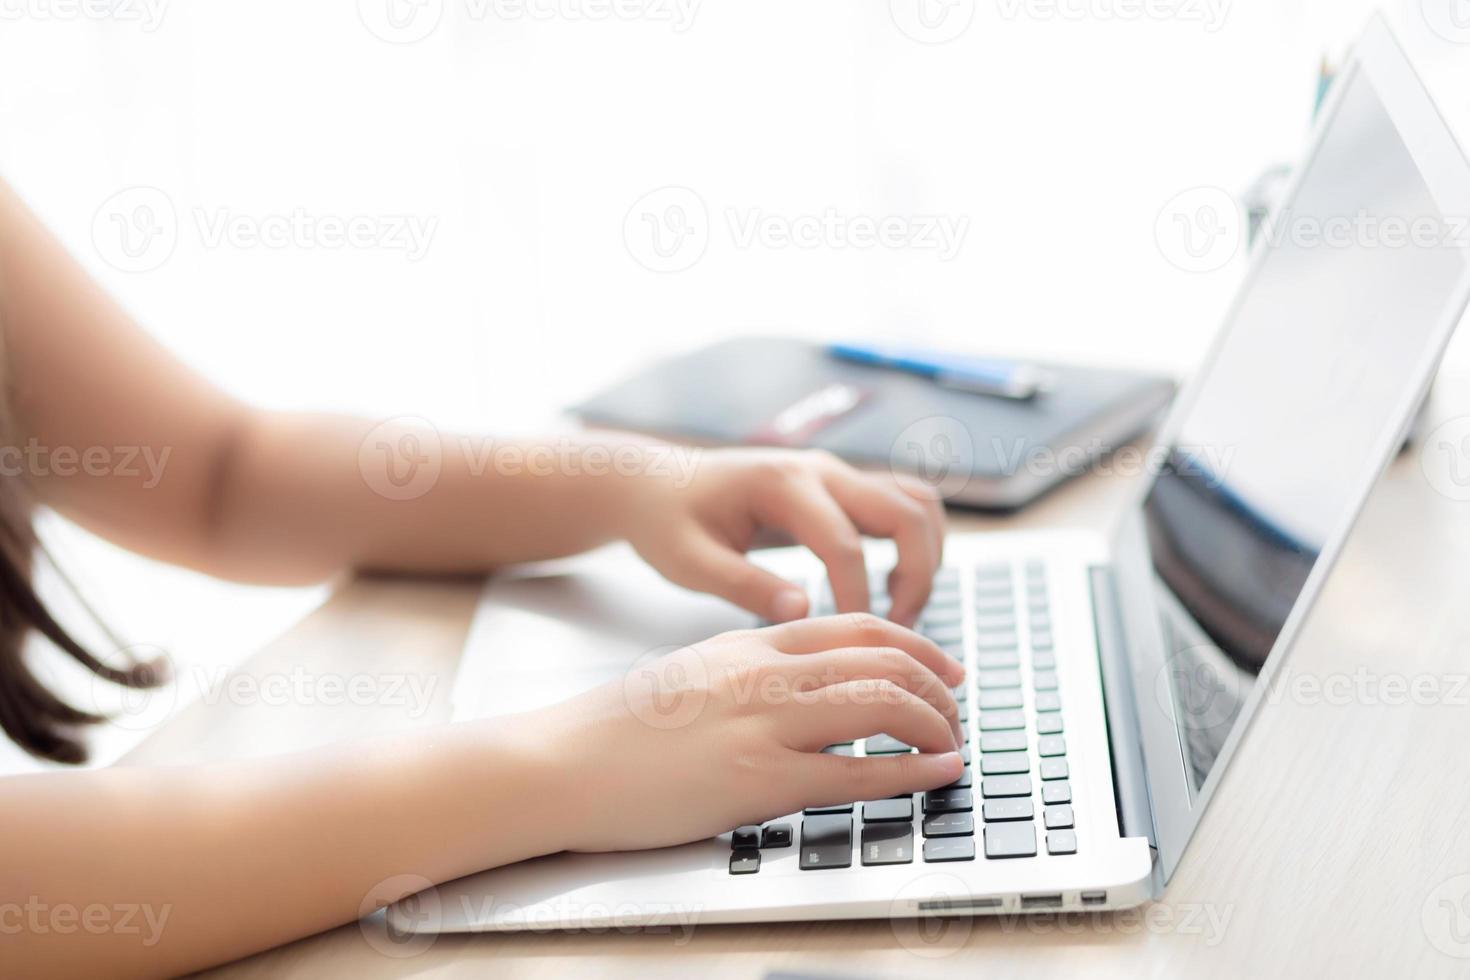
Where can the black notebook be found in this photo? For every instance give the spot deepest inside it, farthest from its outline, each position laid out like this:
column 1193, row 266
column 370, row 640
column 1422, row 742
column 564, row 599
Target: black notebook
column 975, row 450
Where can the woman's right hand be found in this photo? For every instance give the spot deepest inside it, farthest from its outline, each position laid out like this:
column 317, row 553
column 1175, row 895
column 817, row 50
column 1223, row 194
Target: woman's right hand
column 730, row 731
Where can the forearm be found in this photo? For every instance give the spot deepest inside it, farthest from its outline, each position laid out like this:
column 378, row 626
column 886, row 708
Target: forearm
column 303, row 496
column 209, row 864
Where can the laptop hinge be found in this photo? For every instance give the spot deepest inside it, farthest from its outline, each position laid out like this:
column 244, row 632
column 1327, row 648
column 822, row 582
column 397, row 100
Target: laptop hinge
column 1130, row 784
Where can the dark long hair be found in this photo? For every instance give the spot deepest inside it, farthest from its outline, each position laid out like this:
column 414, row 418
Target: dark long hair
column 34, row 718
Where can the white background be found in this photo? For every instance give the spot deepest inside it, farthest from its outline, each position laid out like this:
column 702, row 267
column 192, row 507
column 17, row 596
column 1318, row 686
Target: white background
column 1058, row 131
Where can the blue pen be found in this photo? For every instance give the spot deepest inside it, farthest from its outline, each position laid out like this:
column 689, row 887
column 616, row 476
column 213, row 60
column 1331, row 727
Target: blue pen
column 979, row 375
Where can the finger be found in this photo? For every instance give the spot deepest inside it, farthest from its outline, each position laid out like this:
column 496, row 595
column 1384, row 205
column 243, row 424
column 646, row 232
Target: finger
column 709, row 566
column 804, row 509
column 884, row 510
column 835, row 779
column 876, row 663
column 932, row 505
column 859, row 708
column 863, row 630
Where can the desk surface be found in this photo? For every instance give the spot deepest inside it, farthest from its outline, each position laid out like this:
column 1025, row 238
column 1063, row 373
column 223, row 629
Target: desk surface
column 1337, row 842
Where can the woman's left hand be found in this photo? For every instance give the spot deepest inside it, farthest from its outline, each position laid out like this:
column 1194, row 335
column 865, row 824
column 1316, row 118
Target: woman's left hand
column 697, row 534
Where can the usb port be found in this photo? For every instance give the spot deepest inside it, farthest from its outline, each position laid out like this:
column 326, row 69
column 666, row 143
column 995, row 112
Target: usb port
column 1041, row 901
column 1094, row 898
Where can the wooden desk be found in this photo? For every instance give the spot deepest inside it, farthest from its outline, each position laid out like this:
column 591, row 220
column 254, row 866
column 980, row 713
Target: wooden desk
column 1337, row 843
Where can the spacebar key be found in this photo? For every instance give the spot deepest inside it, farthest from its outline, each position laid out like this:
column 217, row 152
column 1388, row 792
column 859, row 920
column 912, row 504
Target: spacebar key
column 826, row 841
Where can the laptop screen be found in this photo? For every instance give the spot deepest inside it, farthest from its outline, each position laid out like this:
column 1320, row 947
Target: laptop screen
column 1269, row 456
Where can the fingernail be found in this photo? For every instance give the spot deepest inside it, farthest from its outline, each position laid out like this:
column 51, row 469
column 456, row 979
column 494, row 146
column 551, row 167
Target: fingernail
column 789, row 604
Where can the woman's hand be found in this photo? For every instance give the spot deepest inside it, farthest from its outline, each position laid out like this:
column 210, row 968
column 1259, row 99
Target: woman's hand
column 731, row 732
column 697, row 535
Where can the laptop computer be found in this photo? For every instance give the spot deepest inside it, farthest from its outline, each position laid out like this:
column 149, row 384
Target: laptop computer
column 1110, row 676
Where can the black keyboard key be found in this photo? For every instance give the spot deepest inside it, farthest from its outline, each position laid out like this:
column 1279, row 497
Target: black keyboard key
column 995, row 787
column 745, row 861
column 836, row 808
column 996, row 721
column 886, row 745
column 1058, row 817
column 888, row 843
column 949, row 824
column 1061, row 842
column 747, row 836
column 1010, row 840
column 776, row 835
column 1048, row 723
column 949, row 849
column 1013, row 740
column 1053, row 768
column 948, row 800
column 826, row 842
column 882, row 811
column 1056, row 792
column 1050, row 745
column 1015, row 808
column 1001, row 697
column 962, row 783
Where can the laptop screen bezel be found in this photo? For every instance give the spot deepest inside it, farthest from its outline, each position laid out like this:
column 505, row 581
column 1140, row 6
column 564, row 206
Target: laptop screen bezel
column 1176, row 809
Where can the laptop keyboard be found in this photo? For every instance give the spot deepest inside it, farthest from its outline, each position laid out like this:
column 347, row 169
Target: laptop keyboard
column 1017, row 802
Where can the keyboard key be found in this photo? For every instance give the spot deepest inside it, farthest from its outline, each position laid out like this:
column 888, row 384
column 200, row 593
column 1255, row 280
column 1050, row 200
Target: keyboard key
column 948, row 800
column 947, row 633
column 993, row 659
column 964, row 712
column 747, row 836
column 839, row 808
column 1047, row 723
column 996, row 641
column 1004, row 763
column 954, row 651
column 888, row 843
column 946, row 615
column 1016, row 808
column 826, row 842
column 1005, row 697
column 991, row 588
column 745, row 861
column 995, row 787
column 886, row 745
column 882, row 811
column 1061, row 842
column 994, row 721
column 949, row 824
column 844, row 749
column 995, row 623
column 1040, row 622
column 961, row 693
column 949, row 849
column 776, row 835
column 997, row 604
column 1048, row 701
column 985, row 679
column 1041, row 641
column 1010, row 840
column 962, row 783
column 1044, row 680
column 1044, row 660
column 1058, row 817
column 1053, row 768
column 1050, row 745
column 1056, row 792
column 1013, row 740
